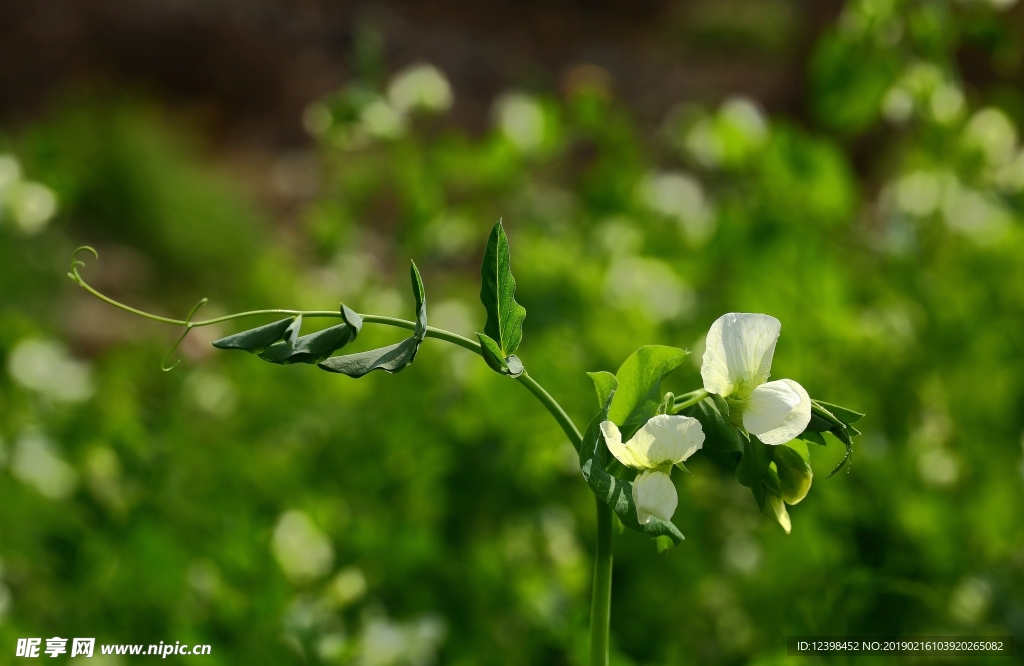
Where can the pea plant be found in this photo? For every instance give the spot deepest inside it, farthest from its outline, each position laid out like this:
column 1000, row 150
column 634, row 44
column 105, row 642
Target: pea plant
column 756, row 427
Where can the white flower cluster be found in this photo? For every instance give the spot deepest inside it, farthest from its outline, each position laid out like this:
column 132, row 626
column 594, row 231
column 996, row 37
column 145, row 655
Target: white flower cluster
column 736, row 365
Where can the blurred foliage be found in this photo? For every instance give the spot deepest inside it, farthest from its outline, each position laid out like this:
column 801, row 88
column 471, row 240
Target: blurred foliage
column 285, row 515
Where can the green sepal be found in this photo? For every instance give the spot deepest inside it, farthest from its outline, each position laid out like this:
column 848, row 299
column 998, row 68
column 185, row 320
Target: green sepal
column 721, row 403
column 505, row 316
column 393, row 358
column 639, row 385
column 616, row 493
column 255, row 340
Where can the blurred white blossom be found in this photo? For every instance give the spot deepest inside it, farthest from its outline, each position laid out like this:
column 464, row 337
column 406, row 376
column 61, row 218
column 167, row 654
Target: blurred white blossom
column 303, row 551
column 650, row 285
column 36, row 463
column 420, row 86
column 46, row 366
column 680, row 196
column 213, row 393
column 28, row 204
column 389, row 643
column 521, row 119
column 994, row 134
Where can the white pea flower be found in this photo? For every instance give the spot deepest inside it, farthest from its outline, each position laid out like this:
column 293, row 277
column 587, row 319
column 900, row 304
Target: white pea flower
column 736, row 365
column 662, row 442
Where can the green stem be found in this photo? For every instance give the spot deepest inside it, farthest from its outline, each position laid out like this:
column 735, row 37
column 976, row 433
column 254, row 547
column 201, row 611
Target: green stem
column 601, row 598
column 689, row 400
column 601, row 601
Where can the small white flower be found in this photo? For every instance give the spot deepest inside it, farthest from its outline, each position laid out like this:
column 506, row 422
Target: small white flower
column 662, row 442
column 736, row 365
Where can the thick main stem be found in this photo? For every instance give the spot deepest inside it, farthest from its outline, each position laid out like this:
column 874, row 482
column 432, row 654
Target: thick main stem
column 601, row 599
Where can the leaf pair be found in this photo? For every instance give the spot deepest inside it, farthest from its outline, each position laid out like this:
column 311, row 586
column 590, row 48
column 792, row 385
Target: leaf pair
column 392, row 358
column 280, row 343
column 628, row 399
column 503, row 330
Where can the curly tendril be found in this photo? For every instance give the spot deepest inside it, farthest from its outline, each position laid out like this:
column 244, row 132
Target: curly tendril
column 187, row 322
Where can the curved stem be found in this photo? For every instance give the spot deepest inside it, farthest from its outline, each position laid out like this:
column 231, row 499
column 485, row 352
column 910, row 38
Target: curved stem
column 601, row 600
column 689, row 400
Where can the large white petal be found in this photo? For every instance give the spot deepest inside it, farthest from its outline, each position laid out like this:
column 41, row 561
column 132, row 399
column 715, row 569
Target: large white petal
column 739, row 352
column 623, row 453
column 795, row 423
column 768, row 407
column 667, row 439
column 654, row 495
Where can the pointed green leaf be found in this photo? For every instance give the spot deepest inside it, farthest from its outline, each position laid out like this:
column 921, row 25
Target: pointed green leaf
column 616, row 493
column 392, row 358
column 605, row 384
column 497, row 292
column 421, row 302
column 350, row 317
column 719, row 433
column 491, row 352
column 639, row 384
column 255, row 339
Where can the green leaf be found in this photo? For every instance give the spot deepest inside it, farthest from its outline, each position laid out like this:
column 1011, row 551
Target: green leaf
column 754, row 464
column 497, row 292
column 291, row 334
column 719, row 433
column 492, row 354
column 255, row 339
column 639, row 384
column 421, row 302
column 392, row 358
column 773, row 505
column 605, row 384
column 792, row 462
column 813, row 437
column 844, row 414
column 311, row 348
column 616, row 493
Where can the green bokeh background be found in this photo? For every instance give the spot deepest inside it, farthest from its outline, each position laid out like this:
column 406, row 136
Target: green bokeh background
column 455, row 522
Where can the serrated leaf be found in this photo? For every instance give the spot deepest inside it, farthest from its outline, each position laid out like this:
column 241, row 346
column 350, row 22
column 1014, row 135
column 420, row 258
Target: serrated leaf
column 393, row 358
column 616, row 493
column 255, row 339
column 421, row 302
column 639, row 385
column 844, row 414
column 311, row 348
column 491, row 352
column 497, row 292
